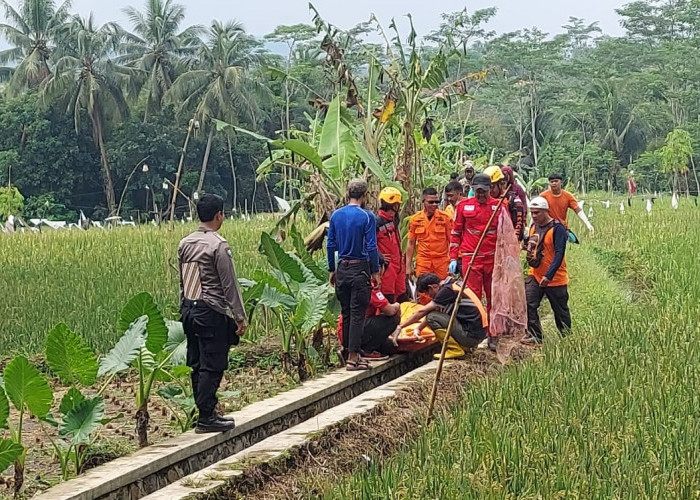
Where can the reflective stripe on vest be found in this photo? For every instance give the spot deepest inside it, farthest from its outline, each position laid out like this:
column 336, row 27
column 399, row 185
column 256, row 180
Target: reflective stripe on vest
column 467, row 293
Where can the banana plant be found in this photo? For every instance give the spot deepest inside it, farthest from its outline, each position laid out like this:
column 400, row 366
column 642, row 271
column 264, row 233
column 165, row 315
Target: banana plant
column 297, row 291
column 144, row 337
column 29, row 392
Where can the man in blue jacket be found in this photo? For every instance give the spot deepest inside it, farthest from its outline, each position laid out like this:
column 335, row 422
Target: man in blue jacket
column 353, row 235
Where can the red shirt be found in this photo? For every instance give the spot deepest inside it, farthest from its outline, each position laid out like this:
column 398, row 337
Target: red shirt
column 377, row 302
column 471, row 218
column 389, row 245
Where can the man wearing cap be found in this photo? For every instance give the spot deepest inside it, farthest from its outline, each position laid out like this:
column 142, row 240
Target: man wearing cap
column 352, row 233
column 212, row 310
column 467, row 177
column 560, row 201
column 472, row 217
column 429, row 238
column 546, row 248
column 389, row 244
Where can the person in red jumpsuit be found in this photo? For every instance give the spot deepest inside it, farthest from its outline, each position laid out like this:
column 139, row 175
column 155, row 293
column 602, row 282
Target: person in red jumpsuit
column 471, row 218
column 389, row 244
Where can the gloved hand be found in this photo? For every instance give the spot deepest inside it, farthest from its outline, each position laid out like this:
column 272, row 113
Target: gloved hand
column 416, row 332
column 453, row 267
column 589, row 226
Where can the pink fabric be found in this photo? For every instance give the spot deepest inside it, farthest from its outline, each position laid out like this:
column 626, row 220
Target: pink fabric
column 508, row 313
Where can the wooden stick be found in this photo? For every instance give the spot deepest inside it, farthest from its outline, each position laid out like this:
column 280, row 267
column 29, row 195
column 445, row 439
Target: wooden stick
column 453, row 316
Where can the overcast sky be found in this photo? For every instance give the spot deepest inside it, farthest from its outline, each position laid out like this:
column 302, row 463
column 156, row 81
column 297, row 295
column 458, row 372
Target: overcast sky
column 261, row 16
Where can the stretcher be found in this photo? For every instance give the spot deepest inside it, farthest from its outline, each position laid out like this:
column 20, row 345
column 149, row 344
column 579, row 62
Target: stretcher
column 406, row 340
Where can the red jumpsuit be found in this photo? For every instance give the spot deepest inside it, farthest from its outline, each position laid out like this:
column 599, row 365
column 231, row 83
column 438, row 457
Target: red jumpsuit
column 389, row 245
column 471, row 218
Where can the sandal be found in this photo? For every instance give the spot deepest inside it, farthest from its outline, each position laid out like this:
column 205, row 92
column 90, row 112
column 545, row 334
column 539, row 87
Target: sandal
column 354, row 366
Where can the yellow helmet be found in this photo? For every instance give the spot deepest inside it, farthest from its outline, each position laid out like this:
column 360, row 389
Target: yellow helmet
column 494, row 173
column 390, row 195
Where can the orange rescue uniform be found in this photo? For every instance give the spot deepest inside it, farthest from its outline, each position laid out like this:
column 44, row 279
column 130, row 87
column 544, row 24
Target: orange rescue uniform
column 560, row 204
column 432, row 237
column 561, row 277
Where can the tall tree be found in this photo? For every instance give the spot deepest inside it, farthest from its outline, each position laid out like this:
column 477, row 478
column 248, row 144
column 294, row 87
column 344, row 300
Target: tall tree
column 222, row 85
column 157, row 48
column 32, row 32
column 89, row 81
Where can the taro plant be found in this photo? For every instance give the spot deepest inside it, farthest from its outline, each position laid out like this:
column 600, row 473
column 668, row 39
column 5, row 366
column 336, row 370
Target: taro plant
column 297, row 291
column 29, row 393
column 145, row 335
column 80, row 418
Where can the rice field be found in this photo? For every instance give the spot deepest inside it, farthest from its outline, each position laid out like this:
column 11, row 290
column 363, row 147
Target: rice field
column 613, row 411
column 85, row 278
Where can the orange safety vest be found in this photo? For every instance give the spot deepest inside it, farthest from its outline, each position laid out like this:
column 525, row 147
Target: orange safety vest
column 471, row 296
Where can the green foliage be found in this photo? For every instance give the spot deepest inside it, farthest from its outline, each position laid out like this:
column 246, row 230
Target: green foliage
column 156, row 329
column 121, row 356
column 81, row 421
column 4, row 408
column 27, row 388
column 69, row 356
column 11, row 202
column 10, row 452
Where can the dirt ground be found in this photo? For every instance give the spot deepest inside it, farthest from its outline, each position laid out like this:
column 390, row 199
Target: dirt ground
column 308, row 471
column 255, row 373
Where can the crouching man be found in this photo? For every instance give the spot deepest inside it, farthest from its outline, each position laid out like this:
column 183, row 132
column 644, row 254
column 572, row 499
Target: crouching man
column 471, row 322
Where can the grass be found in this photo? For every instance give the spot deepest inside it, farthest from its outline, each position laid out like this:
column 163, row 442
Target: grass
column 613, row 411
column 85, row 278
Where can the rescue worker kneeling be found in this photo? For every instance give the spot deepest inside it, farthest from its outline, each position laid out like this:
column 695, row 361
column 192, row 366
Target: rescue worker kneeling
column 471, row 322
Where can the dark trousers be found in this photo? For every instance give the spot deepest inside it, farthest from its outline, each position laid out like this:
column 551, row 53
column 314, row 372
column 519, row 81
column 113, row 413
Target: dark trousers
column 467, row 339
column 209, row 338
column 377, row 331
column 558, row 297
column 353, row 289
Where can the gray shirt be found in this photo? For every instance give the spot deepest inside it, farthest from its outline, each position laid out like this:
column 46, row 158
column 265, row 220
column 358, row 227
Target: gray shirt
column 207, row 273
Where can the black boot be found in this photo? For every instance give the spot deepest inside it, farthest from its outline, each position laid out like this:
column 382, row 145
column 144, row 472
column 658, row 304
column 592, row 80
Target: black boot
column 214, row 423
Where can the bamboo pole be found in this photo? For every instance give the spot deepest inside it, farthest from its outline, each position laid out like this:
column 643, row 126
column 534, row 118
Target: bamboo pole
column 453, row 316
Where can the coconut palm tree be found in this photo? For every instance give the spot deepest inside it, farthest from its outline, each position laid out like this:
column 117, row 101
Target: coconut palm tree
column 222, row 85
column 31, row 31
column 89, row 82
column 157, row 48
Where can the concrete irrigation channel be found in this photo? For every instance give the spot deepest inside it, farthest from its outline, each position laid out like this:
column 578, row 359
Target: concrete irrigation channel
column 263, row 429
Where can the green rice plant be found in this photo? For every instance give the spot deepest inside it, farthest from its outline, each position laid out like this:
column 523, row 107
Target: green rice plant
column 612, row 411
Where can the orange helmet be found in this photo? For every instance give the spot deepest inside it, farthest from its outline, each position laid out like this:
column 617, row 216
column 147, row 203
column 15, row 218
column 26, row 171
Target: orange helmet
column 390, row 195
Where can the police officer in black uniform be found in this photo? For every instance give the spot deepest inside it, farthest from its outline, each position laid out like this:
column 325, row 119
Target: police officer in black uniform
column 212, row 309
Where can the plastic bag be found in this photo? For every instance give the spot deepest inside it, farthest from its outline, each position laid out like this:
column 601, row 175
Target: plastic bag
column 508, row 302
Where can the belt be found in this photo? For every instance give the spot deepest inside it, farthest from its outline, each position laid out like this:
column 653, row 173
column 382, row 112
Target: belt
column 197, row 304
column 350, row 261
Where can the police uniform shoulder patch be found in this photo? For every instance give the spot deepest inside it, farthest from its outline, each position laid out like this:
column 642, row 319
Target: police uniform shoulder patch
column 228, row 251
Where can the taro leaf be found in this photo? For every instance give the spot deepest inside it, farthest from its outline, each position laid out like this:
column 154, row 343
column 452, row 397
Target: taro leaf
column 156, row 329
column 70, row 357
column 80, row 422
column 26, row 387
column 10, row 452
column 176, row 345
column 274, row 299
column 126, row 350
column 319, row 273
column 4, row 409
column 279, row 259
column 310, row 311
column 72, row 399
column 169, row 391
